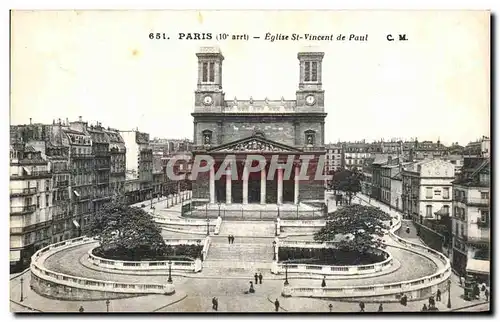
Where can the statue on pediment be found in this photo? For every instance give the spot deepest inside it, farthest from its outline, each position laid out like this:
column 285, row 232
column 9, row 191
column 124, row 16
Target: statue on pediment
column 282, row 100
column 251, row 100
column 266, row 100
column 235, row 101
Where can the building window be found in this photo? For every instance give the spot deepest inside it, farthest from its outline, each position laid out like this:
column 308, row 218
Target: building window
column 211, row 73
column 446, row 193
column 428, row 211
column 437, row 192
column 428, row 193
column 38, row 202
column 205, row 72
column 484, row 216
column 447, row 209
column 456, row 228
column 484, row 195
column 307, row 71
column 314, row 71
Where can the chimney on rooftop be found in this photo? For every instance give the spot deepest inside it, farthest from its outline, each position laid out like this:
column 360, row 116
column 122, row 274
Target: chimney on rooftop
column 79, row 118
column 30, row 120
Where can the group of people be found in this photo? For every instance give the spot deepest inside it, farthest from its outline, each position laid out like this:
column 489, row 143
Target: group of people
column 258, row 278
column 362, row 307
column 477, row 289
column 230, row 239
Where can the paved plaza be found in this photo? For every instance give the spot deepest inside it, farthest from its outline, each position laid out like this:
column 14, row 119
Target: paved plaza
column 226, row 275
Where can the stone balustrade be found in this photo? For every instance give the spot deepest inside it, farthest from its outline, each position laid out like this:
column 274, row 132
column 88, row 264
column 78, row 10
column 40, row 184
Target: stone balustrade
column 49, row 277
column 411, row 288
column 194, row 265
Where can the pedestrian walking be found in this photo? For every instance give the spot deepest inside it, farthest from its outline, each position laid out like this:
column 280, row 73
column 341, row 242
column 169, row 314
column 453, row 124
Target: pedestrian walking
column 380, row 308
column 277, row 305
column 232, row 239
column 431, row 302
column 362, row 306
column 260, row 278
column 251, row 290
column 424, row 308
column 256, row 276
column 323, row 283
column 407, row 229
column 81, row 310
column 229, row 239
column 438, row 296
column 476, row 291
column 215, row 304
column 487, row 294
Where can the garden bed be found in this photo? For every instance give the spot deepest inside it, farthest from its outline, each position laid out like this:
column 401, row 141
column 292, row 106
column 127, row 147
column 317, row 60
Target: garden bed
column 329, row 256
column 172, row 252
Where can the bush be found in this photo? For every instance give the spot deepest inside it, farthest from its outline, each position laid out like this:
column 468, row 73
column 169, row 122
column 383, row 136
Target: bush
column 172, row 252
column 328, row 256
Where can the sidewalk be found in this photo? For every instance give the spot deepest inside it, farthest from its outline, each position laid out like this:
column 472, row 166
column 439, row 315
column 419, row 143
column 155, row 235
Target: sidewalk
column 148, row 303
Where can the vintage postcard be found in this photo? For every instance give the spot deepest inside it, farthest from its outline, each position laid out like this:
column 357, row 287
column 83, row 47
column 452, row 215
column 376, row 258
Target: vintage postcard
column 250, row 161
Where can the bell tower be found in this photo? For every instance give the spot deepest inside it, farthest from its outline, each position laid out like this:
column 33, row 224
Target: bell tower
column 209, row 94
column 310, row 94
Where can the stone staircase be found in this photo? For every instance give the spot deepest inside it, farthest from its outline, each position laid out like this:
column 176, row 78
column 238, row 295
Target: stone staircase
column 247, row 252
column 248, row 228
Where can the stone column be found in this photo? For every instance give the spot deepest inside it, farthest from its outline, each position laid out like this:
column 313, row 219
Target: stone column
column 212, row 184
column 296, row 185
column 228, row 187
column 263, row 186
column 245, row 184
column 280, row 186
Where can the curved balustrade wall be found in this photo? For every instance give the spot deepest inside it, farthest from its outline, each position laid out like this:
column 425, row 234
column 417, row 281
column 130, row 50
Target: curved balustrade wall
column 413, row 289
column 69, row 287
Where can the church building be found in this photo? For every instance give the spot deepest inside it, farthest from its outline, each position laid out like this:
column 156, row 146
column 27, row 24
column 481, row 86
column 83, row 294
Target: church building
column 259, row 127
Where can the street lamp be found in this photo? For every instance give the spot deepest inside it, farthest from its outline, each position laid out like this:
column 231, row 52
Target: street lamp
column 208, row 227
column 330, row 307
column 218, row 203
column 170, row 271
column 274, row 250
column 286, row 274
column 449, row 293
column 107, row 305
column 22, row 295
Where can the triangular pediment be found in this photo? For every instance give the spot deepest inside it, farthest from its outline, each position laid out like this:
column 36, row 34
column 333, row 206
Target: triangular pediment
column 254, row 144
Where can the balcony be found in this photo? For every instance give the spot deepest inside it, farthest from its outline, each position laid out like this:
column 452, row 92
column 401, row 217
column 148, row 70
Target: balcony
column 22, row 210
column 23, row 192
column 31, row 175
column 60, row 170
column 101, row 153
column 60, row 184
column 477, row 202
column 102, row 167
column 27, row 229
column 82, row 156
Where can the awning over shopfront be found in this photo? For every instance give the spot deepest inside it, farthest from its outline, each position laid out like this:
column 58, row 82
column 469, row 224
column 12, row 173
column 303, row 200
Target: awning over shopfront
column 478, row 266
column 27, row 170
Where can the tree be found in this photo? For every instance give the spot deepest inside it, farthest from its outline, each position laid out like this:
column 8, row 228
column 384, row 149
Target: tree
column 347, row 181
column 362, row 227
column 128, row 231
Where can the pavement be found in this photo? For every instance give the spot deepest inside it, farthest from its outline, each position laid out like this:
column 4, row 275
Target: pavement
column 195, row 294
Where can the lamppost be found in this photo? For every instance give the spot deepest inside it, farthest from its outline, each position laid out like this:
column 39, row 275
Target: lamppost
column 107, row 305
column 22, row 295
column 286, row 274
column 170, row 271
column 449, row 293
column 330, row 307
column 218, row 204
column 274, row 250
column 208, row 227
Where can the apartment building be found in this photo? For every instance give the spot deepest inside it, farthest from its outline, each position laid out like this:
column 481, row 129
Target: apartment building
column 471, row 221
column 334, row 157
column 30, row 204
column 427, row 189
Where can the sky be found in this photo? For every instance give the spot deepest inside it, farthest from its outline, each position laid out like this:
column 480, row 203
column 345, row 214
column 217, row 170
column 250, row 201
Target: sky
column 101, row 65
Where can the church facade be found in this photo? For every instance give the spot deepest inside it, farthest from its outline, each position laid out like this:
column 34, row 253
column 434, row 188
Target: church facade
column 291, row 131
